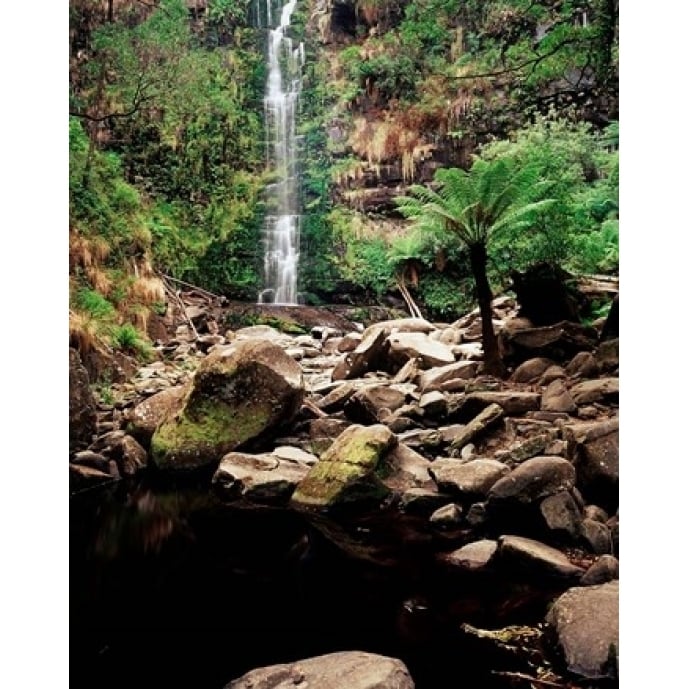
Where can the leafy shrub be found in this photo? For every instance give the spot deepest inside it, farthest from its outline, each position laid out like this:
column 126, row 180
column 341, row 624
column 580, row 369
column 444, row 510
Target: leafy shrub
column 94, row 304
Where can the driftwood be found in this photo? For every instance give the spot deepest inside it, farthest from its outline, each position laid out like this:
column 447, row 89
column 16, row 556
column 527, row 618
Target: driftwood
column 194, row 287
column 176, row 298
column 413, row 308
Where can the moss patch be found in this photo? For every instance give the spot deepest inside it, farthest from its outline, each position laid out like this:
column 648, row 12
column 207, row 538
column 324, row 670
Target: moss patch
column 215, row 429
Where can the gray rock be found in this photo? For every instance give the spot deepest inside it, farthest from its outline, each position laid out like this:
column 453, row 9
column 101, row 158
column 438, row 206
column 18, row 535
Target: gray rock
column 446, row 517
column 597, row 536
column 531, row 370
column 422, row 501
column 365, row 405
column 480, row 424
column 536, row 478
column 561, row 513
column 585, row 622
column 594, row 450
column 364, row 358
column 472, row 557
column 418, row 346
column 535, row 558
column 145, row 417
column 605, row 568
column 433, row 378
column 475, row 477
column 350, row 669
column 237, row 394
column 590, row 391
column 259, row 479
column 557, row 398
column 582, row 365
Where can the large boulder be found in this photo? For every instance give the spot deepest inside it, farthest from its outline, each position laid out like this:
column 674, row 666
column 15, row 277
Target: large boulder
column 434, row 378
column 82, row 405
column 418, row 346
column 350, row 669
column 559, row 342
column 534, row 559
column 585, row 626
column 473, row 478
column 238, row 393
column 365, row 406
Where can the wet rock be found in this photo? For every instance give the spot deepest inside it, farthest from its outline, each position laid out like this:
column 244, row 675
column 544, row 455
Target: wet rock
column 82, row 405
column 259, row 479
column 349, row 473
column 557, row 398
column 365, row 357
column 365, row 405
column 237, row 394
column 562, row 514
column 351, row 669
column 582, row 365
column 418, row 346
column 585, row 624
column 596, row 536
column 589, row 391
column 472, row 557
column 489, row 417
column 605, row 568
column 531, row 370
column 534, row 558
column 472, row 478
column 145, row 417
column 446, row 517
column 594, row 450
column 533, row 480
column 434, row 377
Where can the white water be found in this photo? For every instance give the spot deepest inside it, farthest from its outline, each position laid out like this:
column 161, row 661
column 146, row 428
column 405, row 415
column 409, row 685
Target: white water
column 281, row 229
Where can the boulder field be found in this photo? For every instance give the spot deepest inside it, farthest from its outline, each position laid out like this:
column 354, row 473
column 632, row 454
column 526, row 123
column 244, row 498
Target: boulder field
column 392, row 443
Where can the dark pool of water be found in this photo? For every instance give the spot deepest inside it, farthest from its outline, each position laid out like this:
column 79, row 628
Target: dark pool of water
column 169, row 588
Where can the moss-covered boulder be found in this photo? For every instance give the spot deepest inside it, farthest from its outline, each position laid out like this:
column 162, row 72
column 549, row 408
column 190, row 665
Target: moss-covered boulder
column 349, row 472
column 237, row 394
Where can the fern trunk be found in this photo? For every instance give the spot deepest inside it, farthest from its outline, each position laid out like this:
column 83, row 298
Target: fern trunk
column 492, row 360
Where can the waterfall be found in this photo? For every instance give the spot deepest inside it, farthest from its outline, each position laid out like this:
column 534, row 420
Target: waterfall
column 281, row 228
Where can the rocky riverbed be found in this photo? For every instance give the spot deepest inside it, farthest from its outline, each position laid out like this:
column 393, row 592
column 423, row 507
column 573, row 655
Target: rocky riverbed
column 392, row 448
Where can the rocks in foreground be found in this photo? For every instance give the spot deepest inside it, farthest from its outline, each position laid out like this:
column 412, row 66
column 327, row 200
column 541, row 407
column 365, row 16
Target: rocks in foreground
column 237, row 394
column 350, row 669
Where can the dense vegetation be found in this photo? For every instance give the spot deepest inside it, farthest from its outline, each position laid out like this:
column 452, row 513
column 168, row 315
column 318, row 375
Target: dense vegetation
column 167, row 146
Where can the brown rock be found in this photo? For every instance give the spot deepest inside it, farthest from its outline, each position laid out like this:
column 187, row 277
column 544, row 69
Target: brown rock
column 82, row 405
column 556, row 398
column 475, row 477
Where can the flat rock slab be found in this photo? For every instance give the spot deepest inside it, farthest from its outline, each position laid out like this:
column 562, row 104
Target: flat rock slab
column 364, row 358
column 534, row 479
column 347, row 669
column 531, row 370
column 478, row 425
column 475, row 477
column 536, row 558
column 365, row 405
column 585, row 622
column 418, row 346
column 434, row 377
column 512, row 402
column 472, row 557
column 260, row 479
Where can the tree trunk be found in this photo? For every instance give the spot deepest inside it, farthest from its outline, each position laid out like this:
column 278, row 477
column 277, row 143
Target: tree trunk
column 492, row 361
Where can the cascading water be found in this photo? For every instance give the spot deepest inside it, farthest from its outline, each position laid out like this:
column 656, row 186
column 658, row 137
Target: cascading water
column 281, row 229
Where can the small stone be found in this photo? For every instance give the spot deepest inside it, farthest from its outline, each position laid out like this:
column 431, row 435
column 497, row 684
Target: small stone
column 597, row 536
column 446, row 517
column 605, row 568
column 473, row 557
column 597, row 514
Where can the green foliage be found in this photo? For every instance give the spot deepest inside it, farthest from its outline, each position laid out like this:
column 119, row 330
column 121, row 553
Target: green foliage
column 94, row 304
column 445, row 296
column 128, row 339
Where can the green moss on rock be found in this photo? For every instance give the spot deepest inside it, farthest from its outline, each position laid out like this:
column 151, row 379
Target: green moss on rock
column 349, row 471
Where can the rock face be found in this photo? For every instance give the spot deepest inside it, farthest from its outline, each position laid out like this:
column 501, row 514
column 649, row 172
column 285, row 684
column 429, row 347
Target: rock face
column 82, row 405
column 237, row 394
column 350, row 669
column 585, row 622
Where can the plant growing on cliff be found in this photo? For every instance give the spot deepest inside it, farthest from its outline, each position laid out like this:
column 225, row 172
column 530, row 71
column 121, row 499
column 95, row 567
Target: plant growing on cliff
column 475, row 206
